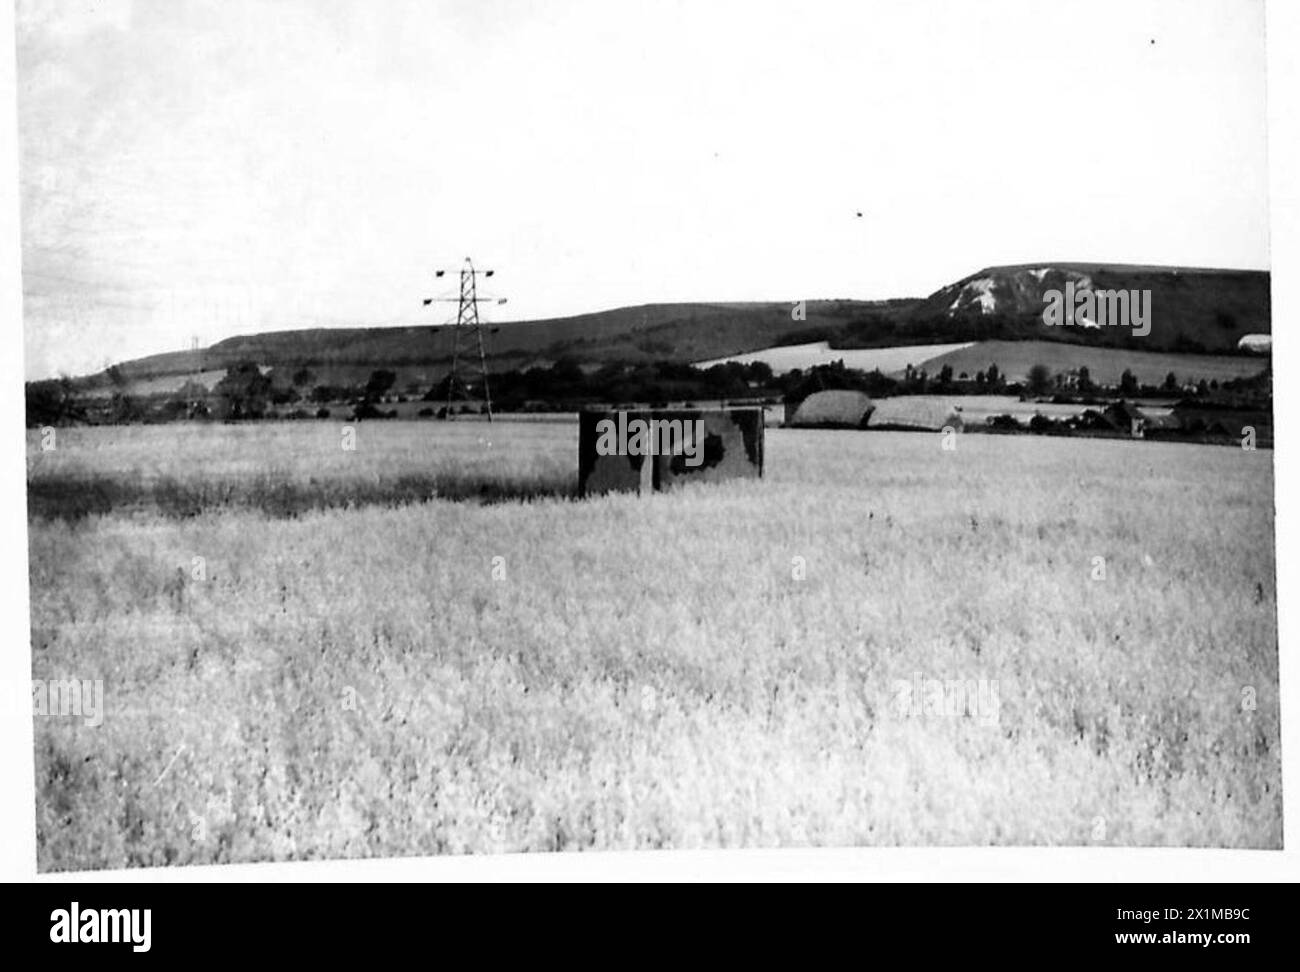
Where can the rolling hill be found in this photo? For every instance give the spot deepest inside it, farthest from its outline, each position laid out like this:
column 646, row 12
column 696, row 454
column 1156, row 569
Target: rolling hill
column 1194, row 310
column 653, row 332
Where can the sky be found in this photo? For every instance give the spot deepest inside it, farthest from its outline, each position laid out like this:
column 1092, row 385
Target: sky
column 192, row 170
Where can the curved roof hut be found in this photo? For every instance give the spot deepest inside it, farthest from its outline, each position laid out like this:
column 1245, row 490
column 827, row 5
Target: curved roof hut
column 915, row 412
column 833, row 410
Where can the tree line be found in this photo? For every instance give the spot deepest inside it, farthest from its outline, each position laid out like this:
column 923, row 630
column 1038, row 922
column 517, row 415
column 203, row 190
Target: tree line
column 247, row 391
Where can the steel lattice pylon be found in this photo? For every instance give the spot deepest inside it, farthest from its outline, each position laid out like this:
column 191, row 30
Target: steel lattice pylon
column 467, row 338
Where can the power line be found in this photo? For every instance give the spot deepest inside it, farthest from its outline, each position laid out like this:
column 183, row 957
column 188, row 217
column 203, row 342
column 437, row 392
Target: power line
column 466, row 335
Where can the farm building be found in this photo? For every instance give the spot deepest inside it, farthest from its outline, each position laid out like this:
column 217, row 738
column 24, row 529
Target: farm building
column 915, row 413
column 1093, row 421
column 1127, row 417
column 1163, row 424
column 833, row 410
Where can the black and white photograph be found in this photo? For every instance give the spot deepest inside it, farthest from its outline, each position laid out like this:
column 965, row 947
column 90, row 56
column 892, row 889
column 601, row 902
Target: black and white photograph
column 495, row 428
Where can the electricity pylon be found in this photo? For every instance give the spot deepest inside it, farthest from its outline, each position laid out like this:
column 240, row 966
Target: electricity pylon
column 192, row 402
column 467, row 336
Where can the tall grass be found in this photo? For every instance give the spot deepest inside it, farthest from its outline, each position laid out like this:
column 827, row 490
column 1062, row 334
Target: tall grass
column 286, row 469
column 660, row 671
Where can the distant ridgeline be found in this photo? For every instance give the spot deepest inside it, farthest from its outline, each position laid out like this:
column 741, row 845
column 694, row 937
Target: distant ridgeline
column 1198, row 320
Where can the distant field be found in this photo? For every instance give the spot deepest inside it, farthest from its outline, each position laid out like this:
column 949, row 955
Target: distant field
column 804, row 356
column 1105, row 365
column 412, row 410
column 164, row 385
column 714, row 667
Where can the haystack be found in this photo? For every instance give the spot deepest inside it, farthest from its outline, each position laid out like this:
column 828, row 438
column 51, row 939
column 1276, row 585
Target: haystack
column 833, row 410
column 915, row 412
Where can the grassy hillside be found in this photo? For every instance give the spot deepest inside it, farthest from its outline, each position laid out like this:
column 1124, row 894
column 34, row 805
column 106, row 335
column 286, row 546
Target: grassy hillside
column 1192, row 308
column 653, row 332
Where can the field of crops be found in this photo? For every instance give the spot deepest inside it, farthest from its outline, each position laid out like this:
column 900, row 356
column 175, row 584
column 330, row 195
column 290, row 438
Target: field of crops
column 1014, row 359
column 1105, row 365
column 893, row 360
column 425, row 644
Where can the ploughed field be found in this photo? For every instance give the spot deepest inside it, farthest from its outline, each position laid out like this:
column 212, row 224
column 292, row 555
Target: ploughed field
column 426, row 644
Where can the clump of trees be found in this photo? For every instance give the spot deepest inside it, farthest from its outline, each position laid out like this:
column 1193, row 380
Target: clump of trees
column 52, row 402
column 378, row 385
column 1038, row 381
column 244, row 392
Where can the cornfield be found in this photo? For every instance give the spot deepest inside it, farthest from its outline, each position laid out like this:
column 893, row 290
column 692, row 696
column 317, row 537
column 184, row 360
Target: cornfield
column 424, row 644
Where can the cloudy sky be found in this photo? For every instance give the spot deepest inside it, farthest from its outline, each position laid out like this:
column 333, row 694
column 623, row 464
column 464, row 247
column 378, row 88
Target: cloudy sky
column 202, row 169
